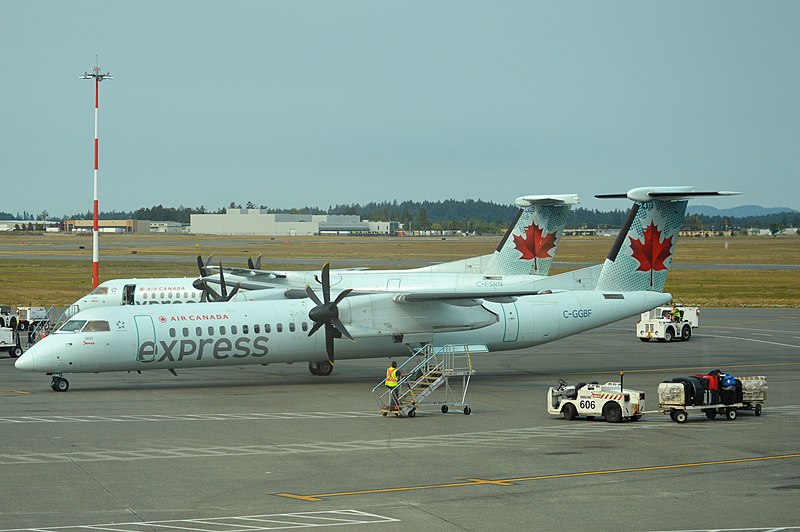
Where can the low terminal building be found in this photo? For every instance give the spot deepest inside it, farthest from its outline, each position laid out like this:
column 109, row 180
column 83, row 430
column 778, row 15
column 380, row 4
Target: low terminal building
column 260, row 222
column 108, row 226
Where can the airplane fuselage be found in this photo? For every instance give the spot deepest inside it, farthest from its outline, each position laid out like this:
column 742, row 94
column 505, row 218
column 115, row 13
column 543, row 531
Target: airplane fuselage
column 261, row 332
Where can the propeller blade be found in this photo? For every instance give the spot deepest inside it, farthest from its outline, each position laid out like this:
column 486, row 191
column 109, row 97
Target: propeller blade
column 201, row 267
column 326, row 282
column 233, row 292
column 315, row 327
column 329, row 335
column 222, row 282
column 341, row 296
column 340, row 327
column 312, row 296
column 258, row 262
column 250, row 263
column 208, row 291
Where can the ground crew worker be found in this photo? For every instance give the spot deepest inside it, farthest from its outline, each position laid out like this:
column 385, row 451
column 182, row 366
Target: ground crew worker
column 391, row 383
column 676, row 314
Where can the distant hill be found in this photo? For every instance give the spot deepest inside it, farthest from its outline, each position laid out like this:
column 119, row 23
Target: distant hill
column 742, row 211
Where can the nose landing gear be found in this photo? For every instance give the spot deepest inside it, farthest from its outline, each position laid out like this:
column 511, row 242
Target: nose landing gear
column 59, row 383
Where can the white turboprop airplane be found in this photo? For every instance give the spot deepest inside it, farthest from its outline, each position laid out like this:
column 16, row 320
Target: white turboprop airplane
column 525, row 252
column 131, row 338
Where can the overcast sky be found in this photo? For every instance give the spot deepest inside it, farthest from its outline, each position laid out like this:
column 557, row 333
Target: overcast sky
column 296, row 103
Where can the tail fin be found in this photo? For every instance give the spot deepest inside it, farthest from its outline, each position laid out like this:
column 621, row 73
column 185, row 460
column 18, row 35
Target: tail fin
column 642, row 253
column 529, row 245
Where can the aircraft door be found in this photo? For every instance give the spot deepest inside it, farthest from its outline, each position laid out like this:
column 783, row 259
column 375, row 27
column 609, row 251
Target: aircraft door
column 392, row 284
column 511, row 322
column 146, row 333
column 127, row 294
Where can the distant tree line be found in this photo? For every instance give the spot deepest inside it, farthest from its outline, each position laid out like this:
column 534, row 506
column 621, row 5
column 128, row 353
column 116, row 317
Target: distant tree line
column 469, row 215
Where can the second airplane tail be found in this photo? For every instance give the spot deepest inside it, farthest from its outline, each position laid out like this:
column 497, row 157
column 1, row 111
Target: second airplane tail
column 529, row 245
column 642, row 253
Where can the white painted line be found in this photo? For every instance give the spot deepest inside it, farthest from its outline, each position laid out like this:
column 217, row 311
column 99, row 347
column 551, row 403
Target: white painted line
column 187, row 417
column 254, row 522
column 761, row 334
column 751, row 340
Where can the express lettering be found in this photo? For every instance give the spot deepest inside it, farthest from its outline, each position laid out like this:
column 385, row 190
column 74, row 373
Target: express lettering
column 578, row 313
column 220, row 349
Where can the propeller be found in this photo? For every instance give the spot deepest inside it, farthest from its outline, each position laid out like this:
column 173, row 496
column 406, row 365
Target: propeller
column 208, row 293
column 257, row 265
column 327, row 312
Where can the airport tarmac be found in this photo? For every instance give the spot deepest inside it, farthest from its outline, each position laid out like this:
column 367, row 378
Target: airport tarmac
column 256, row 448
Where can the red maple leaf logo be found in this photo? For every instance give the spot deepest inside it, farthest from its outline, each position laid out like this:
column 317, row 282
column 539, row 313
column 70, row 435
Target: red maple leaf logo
column 652, row 253
column 533, row 245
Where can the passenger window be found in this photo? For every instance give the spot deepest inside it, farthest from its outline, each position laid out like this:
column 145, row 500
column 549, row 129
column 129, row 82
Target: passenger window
column 222, row 329
column 171, row 332
column 279, row 327
column 267, row 328
column 162, row 295
column 234, row 330
column 185, row 332
column 144, row 295
column 244, row 329
column 96, row 326
column 304, row 326
column 211, row 331
column 256, row 328
column 199, row 331
column 169, row 295
column 185, row 295
column 291, row 327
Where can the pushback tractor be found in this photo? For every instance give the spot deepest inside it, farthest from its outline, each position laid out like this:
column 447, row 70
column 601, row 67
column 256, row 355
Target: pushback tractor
column 609, row 400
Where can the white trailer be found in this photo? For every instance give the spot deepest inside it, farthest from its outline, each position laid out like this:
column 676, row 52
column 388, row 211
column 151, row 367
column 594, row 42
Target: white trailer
column 31, row 317
column 609, row 400
column 658, row 323
column 9, row 340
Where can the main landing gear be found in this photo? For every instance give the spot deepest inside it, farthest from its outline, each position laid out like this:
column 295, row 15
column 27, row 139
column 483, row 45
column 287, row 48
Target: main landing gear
column 59, row 383
column 321, row 367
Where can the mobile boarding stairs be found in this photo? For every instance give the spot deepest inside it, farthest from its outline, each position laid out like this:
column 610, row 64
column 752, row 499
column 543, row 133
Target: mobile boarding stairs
column 425, row 378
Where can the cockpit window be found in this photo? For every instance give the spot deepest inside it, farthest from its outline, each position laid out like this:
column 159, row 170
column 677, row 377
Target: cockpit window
column 72, row 326
column 96, row 326
column 100, row 290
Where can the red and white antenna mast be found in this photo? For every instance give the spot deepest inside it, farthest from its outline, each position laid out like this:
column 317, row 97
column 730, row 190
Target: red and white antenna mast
column 98, row 77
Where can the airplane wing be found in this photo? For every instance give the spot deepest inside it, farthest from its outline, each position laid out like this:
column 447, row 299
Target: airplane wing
column 246, row 272
column 499, row 296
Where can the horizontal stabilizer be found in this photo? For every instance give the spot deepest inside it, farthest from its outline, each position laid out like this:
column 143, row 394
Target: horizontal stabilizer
column 668, row 193
column 547, row 199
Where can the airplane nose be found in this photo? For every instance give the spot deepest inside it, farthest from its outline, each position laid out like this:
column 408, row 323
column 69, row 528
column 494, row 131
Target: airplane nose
column 27, row 362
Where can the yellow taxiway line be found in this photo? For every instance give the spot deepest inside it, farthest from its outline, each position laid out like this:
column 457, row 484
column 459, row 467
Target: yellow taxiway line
column 512, row 481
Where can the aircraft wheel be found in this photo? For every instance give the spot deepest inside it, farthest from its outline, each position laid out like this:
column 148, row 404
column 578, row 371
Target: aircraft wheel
column 569, row 411
column 681, row 416
column 467, row 410
column 730, row 414
column 17, row 351
column 445, row 409
column 313, row 368
column 668, row 334
column 686, row 332
column 60, row 384
column 324, row 367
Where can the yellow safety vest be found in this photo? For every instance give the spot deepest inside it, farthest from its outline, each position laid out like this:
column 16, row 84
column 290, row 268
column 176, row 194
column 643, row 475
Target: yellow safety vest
column 391, row 377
